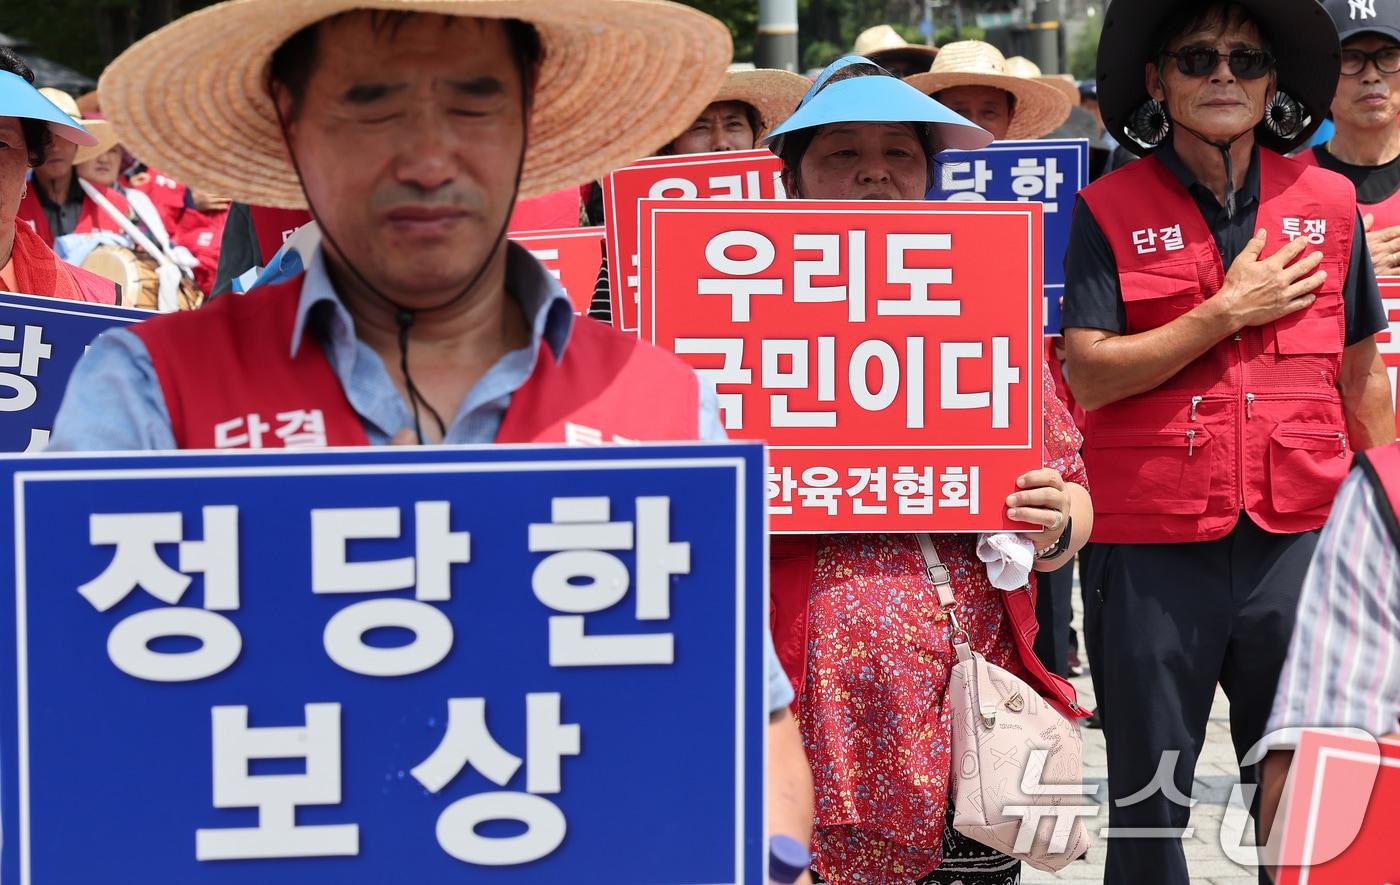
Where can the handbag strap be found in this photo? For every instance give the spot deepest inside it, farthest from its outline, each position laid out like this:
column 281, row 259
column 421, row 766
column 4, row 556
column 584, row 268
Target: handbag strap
column 942, row 581
column 937, row 572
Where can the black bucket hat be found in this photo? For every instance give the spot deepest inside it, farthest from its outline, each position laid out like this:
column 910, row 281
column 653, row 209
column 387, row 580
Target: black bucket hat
column 1356, row 17
column 1300, row 32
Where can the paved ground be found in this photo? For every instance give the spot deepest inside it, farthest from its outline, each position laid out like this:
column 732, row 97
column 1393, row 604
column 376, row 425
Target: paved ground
column 1216, row 774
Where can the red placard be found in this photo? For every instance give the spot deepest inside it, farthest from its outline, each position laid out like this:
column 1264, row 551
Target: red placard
column 1388, row 341
column 730, row 175
column 1338, row 813
column 573, row 254
column 888, row 353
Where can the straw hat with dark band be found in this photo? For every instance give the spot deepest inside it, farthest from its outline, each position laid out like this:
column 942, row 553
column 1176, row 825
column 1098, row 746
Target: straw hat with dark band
column 97, row 127
column 1020, row 66
column 883, row 45
column 618, row 78
column 774, row 94
column 1039, row 109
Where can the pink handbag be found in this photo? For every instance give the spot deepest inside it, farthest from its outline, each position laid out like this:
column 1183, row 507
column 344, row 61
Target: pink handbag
column 1007, row 738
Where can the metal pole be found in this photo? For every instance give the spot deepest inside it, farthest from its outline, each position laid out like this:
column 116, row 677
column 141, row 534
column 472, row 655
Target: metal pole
column 928, row 17
column 777, row 35
column 1044, row 36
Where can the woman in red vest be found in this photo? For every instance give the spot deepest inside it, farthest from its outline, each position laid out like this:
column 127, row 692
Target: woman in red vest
column 28, row 124
column 857, row 620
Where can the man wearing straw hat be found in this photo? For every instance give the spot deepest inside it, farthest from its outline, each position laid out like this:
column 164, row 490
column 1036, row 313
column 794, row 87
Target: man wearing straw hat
column 883, row 45
column 409, row 136
column 57, row 205
column 749, row 103
column 972, row 79
column 1220, row 318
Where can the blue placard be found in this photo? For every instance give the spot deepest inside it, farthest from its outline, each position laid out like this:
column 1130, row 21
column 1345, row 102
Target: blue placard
column 496, row 665
column 1050, row 172
column 41, row 340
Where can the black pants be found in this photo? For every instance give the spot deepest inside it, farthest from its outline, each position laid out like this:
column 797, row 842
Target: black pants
column 1053, row 598
column 1176, row 619
column 1092, row 637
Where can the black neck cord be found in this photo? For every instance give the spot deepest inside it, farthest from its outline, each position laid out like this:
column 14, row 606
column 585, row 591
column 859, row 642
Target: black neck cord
column 405, row 316
column 1224, row 148
column 1228, row 158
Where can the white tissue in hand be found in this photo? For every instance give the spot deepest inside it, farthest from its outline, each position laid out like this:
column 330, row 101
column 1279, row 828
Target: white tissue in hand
column 1009, row 557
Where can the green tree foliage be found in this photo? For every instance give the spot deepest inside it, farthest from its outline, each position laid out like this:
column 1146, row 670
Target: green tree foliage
column 1083, row 58
column 826, row 28
column 86, row 34
column 740, row 15
column 946, row 34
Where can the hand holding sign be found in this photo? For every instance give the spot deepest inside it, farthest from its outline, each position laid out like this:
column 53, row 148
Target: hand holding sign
column 889, row 353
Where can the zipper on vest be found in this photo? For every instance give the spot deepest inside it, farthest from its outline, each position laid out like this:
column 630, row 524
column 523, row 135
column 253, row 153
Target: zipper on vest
column 1195, row 404
column 1247, row 402
column 1190, row 443
column 1342, row 438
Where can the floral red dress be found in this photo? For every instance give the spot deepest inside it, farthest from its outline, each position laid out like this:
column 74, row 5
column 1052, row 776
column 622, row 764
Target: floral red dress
column 873, row 713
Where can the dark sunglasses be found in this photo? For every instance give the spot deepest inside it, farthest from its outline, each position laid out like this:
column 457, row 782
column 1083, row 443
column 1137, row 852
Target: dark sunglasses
column 1201, row 61
column 1387, row 60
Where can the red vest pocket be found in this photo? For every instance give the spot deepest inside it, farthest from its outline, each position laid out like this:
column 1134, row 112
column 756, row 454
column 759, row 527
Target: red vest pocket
column 1307, row 463
column 1150, row 470
column 1320, row 328
column 1155, row 297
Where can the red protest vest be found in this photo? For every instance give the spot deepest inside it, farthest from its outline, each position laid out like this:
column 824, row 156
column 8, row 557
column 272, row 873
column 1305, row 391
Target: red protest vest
column 273, row 226
column 1387, row 211
column 166, row 194
column 1382, row 468
column 1254, row 424
column 90, row 219
column 232, row 359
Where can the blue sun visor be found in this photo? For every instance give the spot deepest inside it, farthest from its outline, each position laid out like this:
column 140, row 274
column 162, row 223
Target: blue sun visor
column 19, row 99
column 879, row 99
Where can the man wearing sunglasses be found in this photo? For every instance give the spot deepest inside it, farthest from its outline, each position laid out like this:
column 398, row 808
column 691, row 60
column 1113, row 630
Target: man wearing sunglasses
column 1366, row 147
column 1220, row 314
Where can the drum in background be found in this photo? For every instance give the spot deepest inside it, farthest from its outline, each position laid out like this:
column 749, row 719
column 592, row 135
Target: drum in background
column 136, row 274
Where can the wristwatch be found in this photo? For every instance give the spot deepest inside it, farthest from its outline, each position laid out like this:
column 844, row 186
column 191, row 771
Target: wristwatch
column 1061, row 544
column 788, row 859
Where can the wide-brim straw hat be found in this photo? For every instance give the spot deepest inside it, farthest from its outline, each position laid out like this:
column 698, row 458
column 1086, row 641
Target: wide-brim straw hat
column 772, row 93
column 618, row 78
column 1020, row 66
column 1301, row 35
column 882, row 44
column 1039, row 110
column 103, row 133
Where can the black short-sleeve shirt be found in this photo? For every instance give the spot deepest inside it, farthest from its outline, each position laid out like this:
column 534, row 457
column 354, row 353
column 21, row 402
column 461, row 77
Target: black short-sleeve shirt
column 1094, row 298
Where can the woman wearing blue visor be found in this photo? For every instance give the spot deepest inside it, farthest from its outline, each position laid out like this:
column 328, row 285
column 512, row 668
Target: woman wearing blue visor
column 28, row 121
column 846, row 605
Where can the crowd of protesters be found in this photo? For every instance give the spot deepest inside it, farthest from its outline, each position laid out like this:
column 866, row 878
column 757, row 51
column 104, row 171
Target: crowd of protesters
column 1217, row 376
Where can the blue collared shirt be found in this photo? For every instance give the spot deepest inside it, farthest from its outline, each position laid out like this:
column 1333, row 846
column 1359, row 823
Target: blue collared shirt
column 114, row 400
